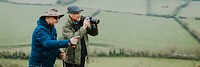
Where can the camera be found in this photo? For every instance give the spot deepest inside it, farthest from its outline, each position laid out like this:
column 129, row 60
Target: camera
column 94, row 21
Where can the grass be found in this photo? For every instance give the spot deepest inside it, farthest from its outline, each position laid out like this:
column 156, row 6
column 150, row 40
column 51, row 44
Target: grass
column 14, row 62
column 21, row 63
column 19, row 21
column 122, row 30
column 121, row 61
column 135, row 6
column 191, row 11
column 115, row 29
column 164, row 7
column 35, row 1
column 126, row 30
column 193, row 24
column 140, row 62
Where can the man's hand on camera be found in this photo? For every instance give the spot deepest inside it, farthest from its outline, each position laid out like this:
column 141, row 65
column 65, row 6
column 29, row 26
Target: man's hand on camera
column 86, row 23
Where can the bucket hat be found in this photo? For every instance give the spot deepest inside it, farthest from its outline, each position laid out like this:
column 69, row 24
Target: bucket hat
column 52, row 12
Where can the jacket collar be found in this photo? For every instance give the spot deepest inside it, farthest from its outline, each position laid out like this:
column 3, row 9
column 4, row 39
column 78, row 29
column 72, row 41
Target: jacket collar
column 43, row 22
column 70, row 21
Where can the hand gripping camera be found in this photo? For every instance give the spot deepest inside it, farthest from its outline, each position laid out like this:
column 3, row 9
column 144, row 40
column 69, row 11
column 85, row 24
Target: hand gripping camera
column 94, row 21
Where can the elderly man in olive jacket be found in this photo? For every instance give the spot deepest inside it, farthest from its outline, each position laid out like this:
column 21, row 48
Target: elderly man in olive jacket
column 77, row 25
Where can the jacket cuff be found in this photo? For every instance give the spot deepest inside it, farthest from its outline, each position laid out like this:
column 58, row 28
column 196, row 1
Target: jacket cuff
column 83, row 30
column 64, row 43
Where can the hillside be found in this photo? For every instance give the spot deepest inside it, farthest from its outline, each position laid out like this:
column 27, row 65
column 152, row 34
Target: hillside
column 126, row 30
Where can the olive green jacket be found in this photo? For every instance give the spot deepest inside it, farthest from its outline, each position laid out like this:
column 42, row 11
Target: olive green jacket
column 68, row 32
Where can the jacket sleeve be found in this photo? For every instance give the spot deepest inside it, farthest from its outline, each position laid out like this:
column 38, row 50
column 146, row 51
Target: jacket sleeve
column 68, row 32
column 93, row 31
column 45, row 39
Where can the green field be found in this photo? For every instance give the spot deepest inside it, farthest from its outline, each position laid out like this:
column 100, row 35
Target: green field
column 19, row 21
column 129, row 30
column 193, row 25
column 53, row 2
column 134, row 6
column 140, row 62
column 164, row 7
column 120, row 62
column 191, row 11
column 120, row 29
column 141, row 32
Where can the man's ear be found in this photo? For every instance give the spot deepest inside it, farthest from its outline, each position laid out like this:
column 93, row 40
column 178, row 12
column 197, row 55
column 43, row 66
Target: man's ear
column 47, row 19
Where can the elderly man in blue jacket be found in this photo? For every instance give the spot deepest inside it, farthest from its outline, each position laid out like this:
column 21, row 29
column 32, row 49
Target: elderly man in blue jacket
column 45, row 46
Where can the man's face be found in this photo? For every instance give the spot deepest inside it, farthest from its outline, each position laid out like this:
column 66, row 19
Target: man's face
column 75, row 16
column 52, row 20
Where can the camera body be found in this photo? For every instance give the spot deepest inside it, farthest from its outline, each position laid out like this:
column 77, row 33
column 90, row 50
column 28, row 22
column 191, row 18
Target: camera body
column 94, row 21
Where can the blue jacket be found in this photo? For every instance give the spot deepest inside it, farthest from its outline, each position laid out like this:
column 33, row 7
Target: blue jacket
column 45, row 46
